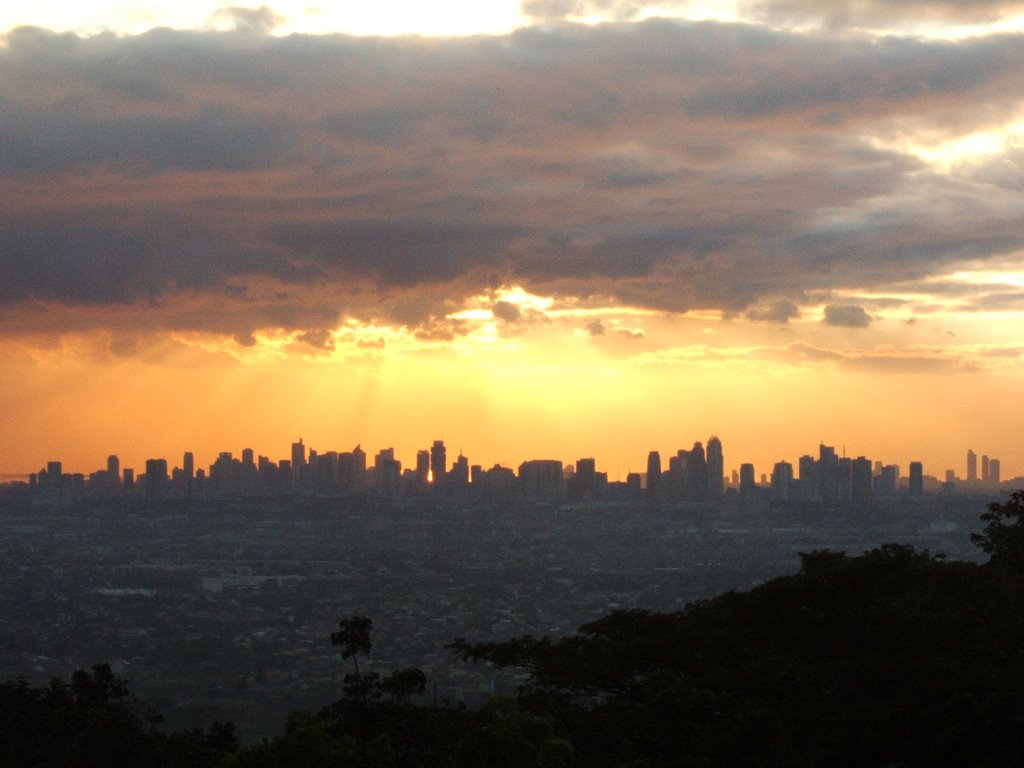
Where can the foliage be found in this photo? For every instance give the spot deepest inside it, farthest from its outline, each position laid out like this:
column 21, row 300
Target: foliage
column 93, row 722
column 353, row 635
column 1003, row 536
column 892, row 657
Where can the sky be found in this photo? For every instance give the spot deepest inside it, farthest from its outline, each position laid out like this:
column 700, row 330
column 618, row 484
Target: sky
column 548, row 229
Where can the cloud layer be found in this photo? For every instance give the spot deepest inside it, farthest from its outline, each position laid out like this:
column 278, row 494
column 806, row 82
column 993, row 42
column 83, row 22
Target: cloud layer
column 233, row 181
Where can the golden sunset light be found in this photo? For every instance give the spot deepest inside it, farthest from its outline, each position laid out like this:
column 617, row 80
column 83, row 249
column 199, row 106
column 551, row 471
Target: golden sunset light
column 560, row 229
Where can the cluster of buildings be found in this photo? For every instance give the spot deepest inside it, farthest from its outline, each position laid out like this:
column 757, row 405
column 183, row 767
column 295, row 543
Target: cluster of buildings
column 694, row 476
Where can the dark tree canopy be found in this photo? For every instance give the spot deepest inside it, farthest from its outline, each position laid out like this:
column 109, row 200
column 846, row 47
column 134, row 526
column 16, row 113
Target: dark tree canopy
column 1003, row 536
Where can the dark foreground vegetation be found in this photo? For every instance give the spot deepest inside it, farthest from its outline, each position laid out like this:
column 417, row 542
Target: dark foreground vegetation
column 890, row 658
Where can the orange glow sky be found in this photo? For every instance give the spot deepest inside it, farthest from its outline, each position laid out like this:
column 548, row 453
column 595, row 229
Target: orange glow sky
column 538, row 237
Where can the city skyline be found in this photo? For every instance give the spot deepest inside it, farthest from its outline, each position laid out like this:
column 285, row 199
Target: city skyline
column 433, row 460
column 589, row 226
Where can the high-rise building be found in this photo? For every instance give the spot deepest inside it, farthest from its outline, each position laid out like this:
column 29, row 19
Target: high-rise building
column 972, row 467
column 916, row 481
column 114, row 467
column 715, row 468
column 747, row 478
column 438, row 463
column 423, row 466
column 585, row 477
column 782, row 480
column 298, row 456
column 887, row 480
column 156, row 479
column 808, row 478
column 861, row 482
column 653, row 475
column 542, row 480
column 828, row 464
column 994, row 471
column 459, row 474
column 984, row 468
column 696, row 476
column 188, row 463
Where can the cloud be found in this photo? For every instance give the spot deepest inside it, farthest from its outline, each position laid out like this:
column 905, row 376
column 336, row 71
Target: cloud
column 596, row 328
column 846, row 316
column 262, row 20
column 235, row 182
column 781, row 311
column 507, row 311
column 872, row 13
column 564, row 9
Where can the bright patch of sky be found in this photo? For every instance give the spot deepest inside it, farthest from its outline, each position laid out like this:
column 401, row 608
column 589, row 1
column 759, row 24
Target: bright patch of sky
column 389, row 17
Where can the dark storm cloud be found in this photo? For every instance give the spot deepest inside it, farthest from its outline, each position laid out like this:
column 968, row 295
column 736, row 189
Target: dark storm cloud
column 666, row 165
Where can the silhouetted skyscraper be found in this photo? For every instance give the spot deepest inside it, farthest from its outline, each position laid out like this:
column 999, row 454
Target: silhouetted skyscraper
column 696, row 474
column 860, row 482
column 828, row 466
column 782, row 480
column 716, row 468
column 438, row 463
column 423, row 466
column 748, row 488
column 916, row 482
column 459, row 475
column 653, row 475
column 298, row 456
column 156, row 479
column 542, row 479
column 972, row 467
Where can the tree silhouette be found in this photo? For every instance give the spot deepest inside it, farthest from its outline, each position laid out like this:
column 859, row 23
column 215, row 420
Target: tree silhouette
column 1003, row 537
column 353, row 636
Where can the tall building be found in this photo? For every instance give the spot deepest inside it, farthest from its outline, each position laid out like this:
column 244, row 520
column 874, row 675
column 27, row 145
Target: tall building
column 916, row 482
column 828, row 466
column 994, row 471
column 542, row 480
column 188, row 463
column 715, row 468
column 861, row 482
column 298, row 456
column 423, row 466
column 887, row 481
column 156, row 479
column 972, row 467
column 585, row 478
column 114, row 467
column 696, row 477
column 782, row 480
column 459, row 474
column 653, row 475
column 749, row 496
column 438, row 463
column 808, row 478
